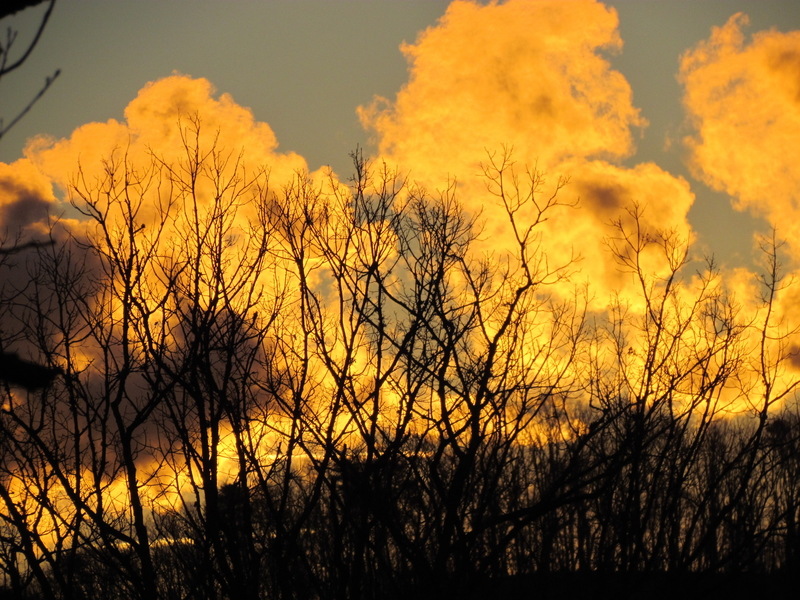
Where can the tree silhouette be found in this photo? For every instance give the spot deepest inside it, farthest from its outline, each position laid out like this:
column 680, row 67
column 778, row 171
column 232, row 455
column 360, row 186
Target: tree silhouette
column 320, row 392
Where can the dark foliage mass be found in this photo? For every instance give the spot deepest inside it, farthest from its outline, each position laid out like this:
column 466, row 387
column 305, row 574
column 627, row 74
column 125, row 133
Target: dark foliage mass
column 307, row 393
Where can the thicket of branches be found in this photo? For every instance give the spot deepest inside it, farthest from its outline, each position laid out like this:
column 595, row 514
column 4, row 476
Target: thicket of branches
column 315, row 391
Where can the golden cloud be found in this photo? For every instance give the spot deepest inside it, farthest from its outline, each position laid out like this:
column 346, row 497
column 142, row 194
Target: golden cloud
column 742, row 97
column 523, row 74
column 529, row 76
column 156, row 122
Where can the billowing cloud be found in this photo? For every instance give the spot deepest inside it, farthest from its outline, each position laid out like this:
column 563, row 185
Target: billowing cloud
column 166, row 120
column 26, row 198
column 529, row 76
column 142, row 166
column 522, row 74
column 156, row 122
column 742, row 97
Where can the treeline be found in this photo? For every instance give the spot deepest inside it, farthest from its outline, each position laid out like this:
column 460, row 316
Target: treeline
column 320, row 392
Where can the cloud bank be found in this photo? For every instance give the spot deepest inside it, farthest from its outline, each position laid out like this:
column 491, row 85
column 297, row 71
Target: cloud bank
column 529, row 80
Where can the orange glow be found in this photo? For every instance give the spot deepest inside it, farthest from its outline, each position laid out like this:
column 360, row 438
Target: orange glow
column 577, row 292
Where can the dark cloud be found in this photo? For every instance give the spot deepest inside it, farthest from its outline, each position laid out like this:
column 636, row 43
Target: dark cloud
column 603, row 196
column 26, row 199
column 21, row 206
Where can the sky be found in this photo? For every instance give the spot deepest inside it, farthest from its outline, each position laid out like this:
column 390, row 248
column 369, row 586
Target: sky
column 312, row 71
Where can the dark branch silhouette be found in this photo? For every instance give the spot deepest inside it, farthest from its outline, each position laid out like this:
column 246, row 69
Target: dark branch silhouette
column 6, row 67
column 26, row 374
column 14, row 6
column 346, row 403
column 26, row 246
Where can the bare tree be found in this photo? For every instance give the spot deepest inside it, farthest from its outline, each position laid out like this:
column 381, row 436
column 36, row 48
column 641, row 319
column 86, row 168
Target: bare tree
column 325, row 390
column 9, row 64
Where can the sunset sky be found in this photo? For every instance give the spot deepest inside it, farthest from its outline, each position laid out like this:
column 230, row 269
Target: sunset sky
column 546, row 181
column 728, row 121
